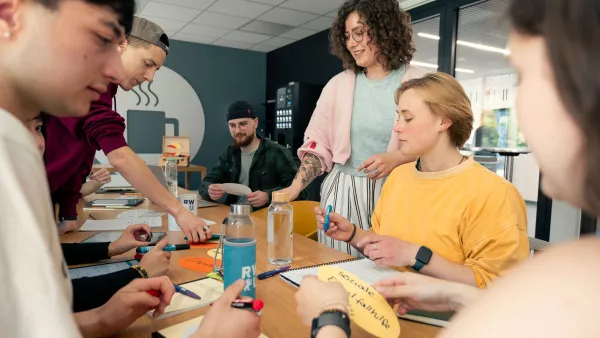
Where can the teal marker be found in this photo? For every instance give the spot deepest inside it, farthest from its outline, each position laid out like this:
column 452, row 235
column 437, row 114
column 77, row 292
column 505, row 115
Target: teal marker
column 214, row 236
column 326, row 224
column 168, row 247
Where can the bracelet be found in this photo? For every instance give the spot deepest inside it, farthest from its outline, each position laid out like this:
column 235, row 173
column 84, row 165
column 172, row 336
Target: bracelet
column 353, row 234
column 140, row 270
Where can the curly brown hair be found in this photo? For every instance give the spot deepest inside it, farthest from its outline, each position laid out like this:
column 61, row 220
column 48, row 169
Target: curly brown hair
column 389, row 28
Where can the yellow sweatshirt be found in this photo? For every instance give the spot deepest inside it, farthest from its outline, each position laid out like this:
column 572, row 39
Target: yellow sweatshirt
column 466, row 214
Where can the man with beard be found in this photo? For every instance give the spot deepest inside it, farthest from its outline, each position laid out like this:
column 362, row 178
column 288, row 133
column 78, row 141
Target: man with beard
column 258, row 163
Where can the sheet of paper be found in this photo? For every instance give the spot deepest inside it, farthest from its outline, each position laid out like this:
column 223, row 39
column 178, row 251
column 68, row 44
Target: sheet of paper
column 102, row 269
column 117, row 181
column 208, row 289
column 185, row 329
column 119, row 224
column 140, row 213
column 368, row 309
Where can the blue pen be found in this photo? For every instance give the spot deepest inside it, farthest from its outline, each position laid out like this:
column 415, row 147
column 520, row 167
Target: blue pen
column 168, row 247
column 272, row 273
column 185, row 291
column 326, row 224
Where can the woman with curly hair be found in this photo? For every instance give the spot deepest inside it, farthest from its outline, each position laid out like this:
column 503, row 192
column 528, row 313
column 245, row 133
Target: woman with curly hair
column 350, row 133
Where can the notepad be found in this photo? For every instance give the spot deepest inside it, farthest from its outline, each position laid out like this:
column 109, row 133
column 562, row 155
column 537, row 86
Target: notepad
column 441, row 319
column 364, row 268
column 183, row 330
column 208, row 289
column 101, row 269
column 119, row 224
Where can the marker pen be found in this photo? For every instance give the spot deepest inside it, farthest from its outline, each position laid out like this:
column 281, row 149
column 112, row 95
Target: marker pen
column 255, row 305
column 168, row 247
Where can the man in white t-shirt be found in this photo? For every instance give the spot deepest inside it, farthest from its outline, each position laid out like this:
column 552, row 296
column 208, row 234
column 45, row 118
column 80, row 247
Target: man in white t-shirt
column 55, row 56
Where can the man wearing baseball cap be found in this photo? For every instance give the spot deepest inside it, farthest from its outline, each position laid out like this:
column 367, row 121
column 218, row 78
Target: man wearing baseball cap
column 260, row 164
column 71, row 143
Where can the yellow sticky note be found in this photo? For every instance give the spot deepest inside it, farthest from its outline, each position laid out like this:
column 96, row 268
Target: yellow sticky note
column 213, row 252
column 368, row 309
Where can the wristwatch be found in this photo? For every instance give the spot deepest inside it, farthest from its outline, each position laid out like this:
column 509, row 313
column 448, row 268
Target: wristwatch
column 423, row 257
column 331, row 317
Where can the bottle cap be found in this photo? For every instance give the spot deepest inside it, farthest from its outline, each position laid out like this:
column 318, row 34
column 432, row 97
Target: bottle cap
column 280, row 197
column 240, row 209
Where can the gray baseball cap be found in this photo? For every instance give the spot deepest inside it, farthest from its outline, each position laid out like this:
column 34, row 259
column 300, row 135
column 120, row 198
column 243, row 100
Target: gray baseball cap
column 150, row 32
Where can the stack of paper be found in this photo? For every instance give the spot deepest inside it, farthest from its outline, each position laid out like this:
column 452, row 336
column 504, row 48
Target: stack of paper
column 119, row 224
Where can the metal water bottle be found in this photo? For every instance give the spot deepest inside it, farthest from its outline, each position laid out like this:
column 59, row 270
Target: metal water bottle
column 239, row 249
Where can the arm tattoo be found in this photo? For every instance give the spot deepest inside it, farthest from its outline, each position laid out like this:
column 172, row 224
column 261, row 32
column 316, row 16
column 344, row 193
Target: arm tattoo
column 309, row 169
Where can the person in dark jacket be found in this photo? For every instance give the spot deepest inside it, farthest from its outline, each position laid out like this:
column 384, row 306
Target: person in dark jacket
column 261, row 164
column 154, row 263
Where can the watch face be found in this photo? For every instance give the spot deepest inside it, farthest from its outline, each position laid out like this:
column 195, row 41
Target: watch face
column 424, row 254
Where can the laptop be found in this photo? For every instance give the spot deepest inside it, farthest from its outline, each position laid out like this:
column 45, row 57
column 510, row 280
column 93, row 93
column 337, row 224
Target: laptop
column 120, row 185
column 158, row 172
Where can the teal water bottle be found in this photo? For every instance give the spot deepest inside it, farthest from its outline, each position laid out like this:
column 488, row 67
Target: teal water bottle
column 239, row 249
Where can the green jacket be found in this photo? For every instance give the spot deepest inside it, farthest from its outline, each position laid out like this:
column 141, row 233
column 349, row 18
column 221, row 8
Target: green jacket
column 272, row 169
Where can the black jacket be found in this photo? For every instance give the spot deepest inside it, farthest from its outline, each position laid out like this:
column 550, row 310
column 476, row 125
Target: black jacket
column 92, row 292
column 272, row 169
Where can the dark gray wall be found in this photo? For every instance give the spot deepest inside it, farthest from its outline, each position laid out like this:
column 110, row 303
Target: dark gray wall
column 219, row 76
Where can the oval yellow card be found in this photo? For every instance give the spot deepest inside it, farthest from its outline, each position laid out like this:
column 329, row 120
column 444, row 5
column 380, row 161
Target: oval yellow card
column 368, row 309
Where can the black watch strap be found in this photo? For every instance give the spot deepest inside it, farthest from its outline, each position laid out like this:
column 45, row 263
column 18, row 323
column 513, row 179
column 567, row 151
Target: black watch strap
column 331, row 317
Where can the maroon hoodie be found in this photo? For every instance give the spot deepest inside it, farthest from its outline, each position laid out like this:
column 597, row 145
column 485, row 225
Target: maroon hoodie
column 71, row 145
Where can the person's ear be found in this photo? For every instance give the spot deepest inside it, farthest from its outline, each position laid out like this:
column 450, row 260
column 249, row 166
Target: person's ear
column 122, row 44
column 9, row 18
column 255, row 122
column 445, row 124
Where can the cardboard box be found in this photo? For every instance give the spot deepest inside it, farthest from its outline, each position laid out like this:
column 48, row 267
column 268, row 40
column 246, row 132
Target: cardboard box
column 176, row 147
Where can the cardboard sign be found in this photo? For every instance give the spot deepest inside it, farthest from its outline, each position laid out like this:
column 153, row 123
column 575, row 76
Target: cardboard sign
column 368, row 309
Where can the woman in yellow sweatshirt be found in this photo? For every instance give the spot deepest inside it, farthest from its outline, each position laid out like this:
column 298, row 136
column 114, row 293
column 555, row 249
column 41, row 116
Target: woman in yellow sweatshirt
column 445, row 215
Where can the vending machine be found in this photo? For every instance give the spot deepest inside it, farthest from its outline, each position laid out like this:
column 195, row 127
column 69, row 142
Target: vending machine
column 294, row 107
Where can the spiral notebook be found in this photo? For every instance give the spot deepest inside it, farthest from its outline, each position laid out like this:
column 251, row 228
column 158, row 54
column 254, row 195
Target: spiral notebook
column 363, row 268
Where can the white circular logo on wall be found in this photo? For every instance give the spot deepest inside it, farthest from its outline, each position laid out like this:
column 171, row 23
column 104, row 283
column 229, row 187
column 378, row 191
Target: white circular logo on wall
column 168, row 101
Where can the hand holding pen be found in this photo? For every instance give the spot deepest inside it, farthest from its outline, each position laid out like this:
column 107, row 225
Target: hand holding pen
column 247, row 323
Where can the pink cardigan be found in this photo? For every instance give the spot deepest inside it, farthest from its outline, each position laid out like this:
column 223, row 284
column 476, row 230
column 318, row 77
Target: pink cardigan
column 328, row 133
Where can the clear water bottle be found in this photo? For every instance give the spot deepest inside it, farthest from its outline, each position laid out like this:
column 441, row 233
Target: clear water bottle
column 280, row 231
column 239, row 249
column 171, row 175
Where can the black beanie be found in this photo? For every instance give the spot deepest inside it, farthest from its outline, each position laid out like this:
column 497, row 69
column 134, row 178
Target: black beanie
column 240, row 110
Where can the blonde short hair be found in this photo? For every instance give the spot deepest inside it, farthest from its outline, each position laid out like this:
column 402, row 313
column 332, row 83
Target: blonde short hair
column 445, row 97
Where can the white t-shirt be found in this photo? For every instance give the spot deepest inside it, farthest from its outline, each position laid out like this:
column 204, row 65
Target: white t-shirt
column 35, row 290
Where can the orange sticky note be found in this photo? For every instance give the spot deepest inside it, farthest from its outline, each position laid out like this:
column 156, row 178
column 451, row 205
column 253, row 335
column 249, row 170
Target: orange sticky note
column 204, row 245
column 200, row 264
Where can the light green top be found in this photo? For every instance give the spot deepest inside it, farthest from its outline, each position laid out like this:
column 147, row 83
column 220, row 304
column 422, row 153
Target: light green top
column 245, row 171
column 373, row 116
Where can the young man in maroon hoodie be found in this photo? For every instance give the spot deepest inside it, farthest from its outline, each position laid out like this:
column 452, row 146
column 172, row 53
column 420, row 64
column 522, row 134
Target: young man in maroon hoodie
column 72, row 142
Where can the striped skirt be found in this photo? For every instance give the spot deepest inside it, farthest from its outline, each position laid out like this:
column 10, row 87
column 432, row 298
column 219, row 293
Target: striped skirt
column 353, row 197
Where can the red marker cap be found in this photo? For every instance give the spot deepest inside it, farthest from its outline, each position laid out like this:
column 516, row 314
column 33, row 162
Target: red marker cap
column 258, row 305
column 154, row 293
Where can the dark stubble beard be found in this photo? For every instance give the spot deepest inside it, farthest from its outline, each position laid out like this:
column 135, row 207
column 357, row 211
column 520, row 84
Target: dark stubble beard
column 244, row 142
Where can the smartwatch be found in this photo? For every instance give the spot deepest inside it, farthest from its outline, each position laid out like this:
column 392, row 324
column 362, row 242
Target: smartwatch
column 331, row 317
column 423, row 257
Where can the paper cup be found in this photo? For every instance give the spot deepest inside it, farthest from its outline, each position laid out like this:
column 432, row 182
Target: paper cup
column 190, row 202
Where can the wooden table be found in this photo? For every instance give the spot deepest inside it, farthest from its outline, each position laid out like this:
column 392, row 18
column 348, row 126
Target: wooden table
column 192, row 168
column 279, row 318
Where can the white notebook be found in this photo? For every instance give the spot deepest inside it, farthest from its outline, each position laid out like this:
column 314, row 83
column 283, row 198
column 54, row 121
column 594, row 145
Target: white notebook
column 364, row 268
column 208, row 289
